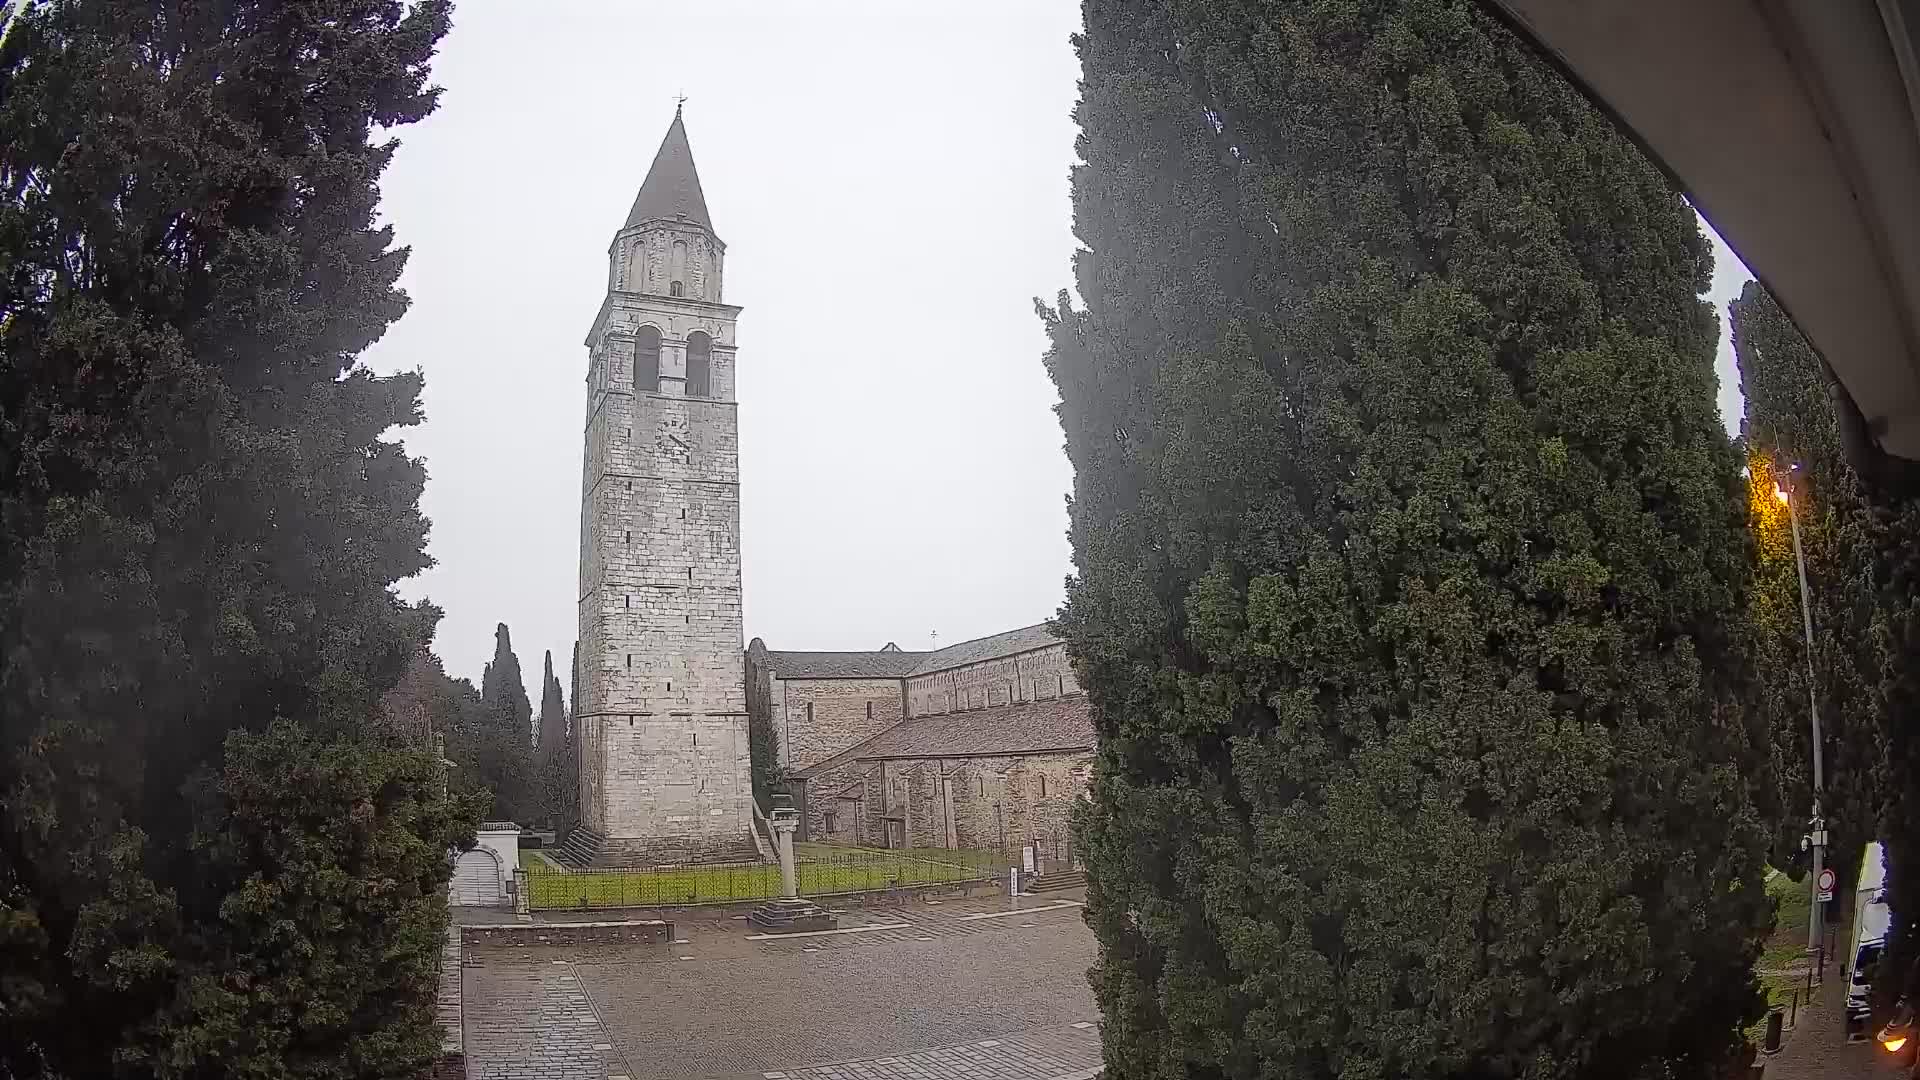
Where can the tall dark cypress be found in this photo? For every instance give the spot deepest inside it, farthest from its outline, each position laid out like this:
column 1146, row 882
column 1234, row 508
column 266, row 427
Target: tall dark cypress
column 1410, row 553
column 553, row 714
column 202, row 514
column 504, row 690
column 1793, row 445
column 1862, row 544
column 504, row 742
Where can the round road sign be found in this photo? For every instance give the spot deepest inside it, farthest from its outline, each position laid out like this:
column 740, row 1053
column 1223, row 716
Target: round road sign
column 1826, row 880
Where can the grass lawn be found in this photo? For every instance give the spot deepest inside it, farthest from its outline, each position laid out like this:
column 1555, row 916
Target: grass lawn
column 823, row 871
column 1787, row 946
column 978, row 860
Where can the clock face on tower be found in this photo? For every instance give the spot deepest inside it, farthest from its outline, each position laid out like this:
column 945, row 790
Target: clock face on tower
column 672, row 437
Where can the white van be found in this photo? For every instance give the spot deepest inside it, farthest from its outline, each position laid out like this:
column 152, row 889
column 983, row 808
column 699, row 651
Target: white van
column 1871, row 918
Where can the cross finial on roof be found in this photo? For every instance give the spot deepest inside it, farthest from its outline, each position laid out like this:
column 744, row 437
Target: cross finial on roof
column 679, row 100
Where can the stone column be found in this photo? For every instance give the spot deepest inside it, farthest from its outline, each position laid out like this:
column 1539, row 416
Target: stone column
column 783, row 839
column 946, row 805
column 789, row 914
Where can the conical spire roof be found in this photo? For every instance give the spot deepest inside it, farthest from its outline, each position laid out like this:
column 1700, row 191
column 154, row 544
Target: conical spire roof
column 672, row 187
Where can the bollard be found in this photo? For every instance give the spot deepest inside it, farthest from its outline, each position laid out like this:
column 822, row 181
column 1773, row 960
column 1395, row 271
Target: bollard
column 1771, row 1045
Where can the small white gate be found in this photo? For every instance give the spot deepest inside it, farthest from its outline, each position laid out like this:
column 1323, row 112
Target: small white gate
column 476, row 879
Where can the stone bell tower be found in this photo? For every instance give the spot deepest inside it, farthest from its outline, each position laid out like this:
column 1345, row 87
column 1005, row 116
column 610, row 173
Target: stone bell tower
column 662, row 715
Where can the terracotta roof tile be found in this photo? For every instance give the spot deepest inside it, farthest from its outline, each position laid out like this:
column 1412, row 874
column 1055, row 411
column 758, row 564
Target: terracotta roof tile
column 1025, row 727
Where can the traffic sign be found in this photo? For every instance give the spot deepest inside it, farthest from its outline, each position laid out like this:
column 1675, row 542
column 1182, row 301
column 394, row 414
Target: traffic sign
column 1826, row 883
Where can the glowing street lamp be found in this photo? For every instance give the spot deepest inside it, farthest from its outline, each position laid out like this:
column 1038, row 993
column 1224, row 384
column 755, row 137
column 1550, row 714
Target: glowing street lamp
column 1817, row 829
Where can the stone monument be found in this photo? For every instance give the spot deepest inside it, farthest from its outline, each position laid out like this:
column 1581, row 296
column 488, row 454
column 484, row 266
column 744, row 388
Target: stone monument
column 791, row 913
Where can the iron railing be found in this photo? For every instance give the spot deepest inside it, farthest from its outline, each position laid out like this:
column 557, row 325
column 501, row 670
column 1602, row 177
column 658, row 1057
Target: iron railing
column 819, row 873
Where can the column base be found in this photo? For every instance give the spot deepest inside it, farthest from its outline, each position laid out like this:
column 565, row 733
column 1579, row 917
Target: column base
column 792, row 915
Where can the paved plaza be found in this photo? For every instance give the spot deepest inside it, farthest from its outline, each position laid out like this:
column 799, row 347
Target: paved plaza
column 1817, row 1047
column 969, row 988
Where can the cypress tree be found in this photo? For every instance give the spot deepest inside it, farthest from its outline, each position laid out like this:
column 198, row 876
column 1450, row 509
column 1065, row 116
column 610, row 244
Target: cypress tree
column 502, row 735
column 554, row 774
column 553, row 714
column 504, row 690
column 201, row 518
column 1409, row 554
column 1793, row 441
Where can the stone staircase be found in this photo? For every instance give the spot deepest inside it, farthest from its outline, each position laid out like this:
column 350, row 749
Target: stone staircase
column 1056, row 880
column 581, row 849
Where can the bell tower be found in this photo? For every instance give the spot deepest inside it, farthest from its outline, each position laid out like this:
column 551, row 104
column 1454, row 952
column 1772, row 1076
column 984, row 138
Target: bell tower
column 662, row 715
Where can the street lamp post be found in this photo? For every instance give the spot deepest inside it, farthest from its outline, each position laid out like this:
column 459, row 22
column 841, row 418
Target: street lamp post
column 1817, row 828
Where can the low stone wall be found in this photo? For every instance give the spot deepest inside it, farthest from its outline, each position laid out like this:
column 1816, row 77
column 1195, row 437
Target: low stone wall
column 522, row 935
column 452, row 1064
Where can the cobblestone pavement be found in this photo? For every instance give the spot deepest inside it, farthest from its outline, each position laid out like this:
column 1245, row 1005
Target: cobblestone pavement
column 1817, row 1048
column 1070, row 1053
column 721, row 1002
column 533, row 1021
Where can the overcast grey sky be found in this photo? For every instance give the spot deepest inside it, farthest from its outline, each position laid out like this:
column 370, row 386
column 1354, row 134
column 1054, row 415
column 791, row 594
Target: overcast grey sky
column 891, row 182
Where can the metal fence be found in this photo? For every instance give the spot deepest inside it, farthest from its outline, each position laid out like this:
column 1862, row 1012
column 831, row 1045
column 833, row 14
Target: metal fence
column 820, row 874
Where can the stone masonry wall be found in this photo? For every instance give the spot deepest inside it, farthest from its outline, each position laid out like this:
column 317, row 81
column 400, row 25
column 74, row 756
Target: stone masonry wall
column 1029, row 676
column 997, row 802
column 665, row 750
column 849, row 825
column 643, row 260
column 814, row 719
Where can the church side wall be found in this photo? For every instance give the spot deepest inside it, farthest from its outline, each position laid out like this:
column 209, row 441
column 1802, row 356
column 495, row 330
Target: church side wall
column 998, row 803
column 1029, row 676
column 814, row 719
column 829, row 818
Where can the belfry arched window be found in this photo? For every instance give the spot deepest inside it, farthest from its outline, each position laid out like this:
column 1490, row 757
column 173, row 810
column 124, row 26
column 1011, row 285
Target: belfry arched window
column 646, row 361
column 677, row 269
column 699, row 365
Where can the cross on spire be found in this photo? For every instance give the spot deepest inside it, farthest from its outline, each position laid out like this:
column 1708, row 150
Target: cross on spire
column 679, row 100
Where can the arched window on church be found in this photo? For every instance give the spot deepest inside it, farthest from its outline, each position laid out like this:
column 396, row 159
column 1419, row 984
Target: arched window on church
column 677, row 268
column 699, row 365
column 646, row 361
